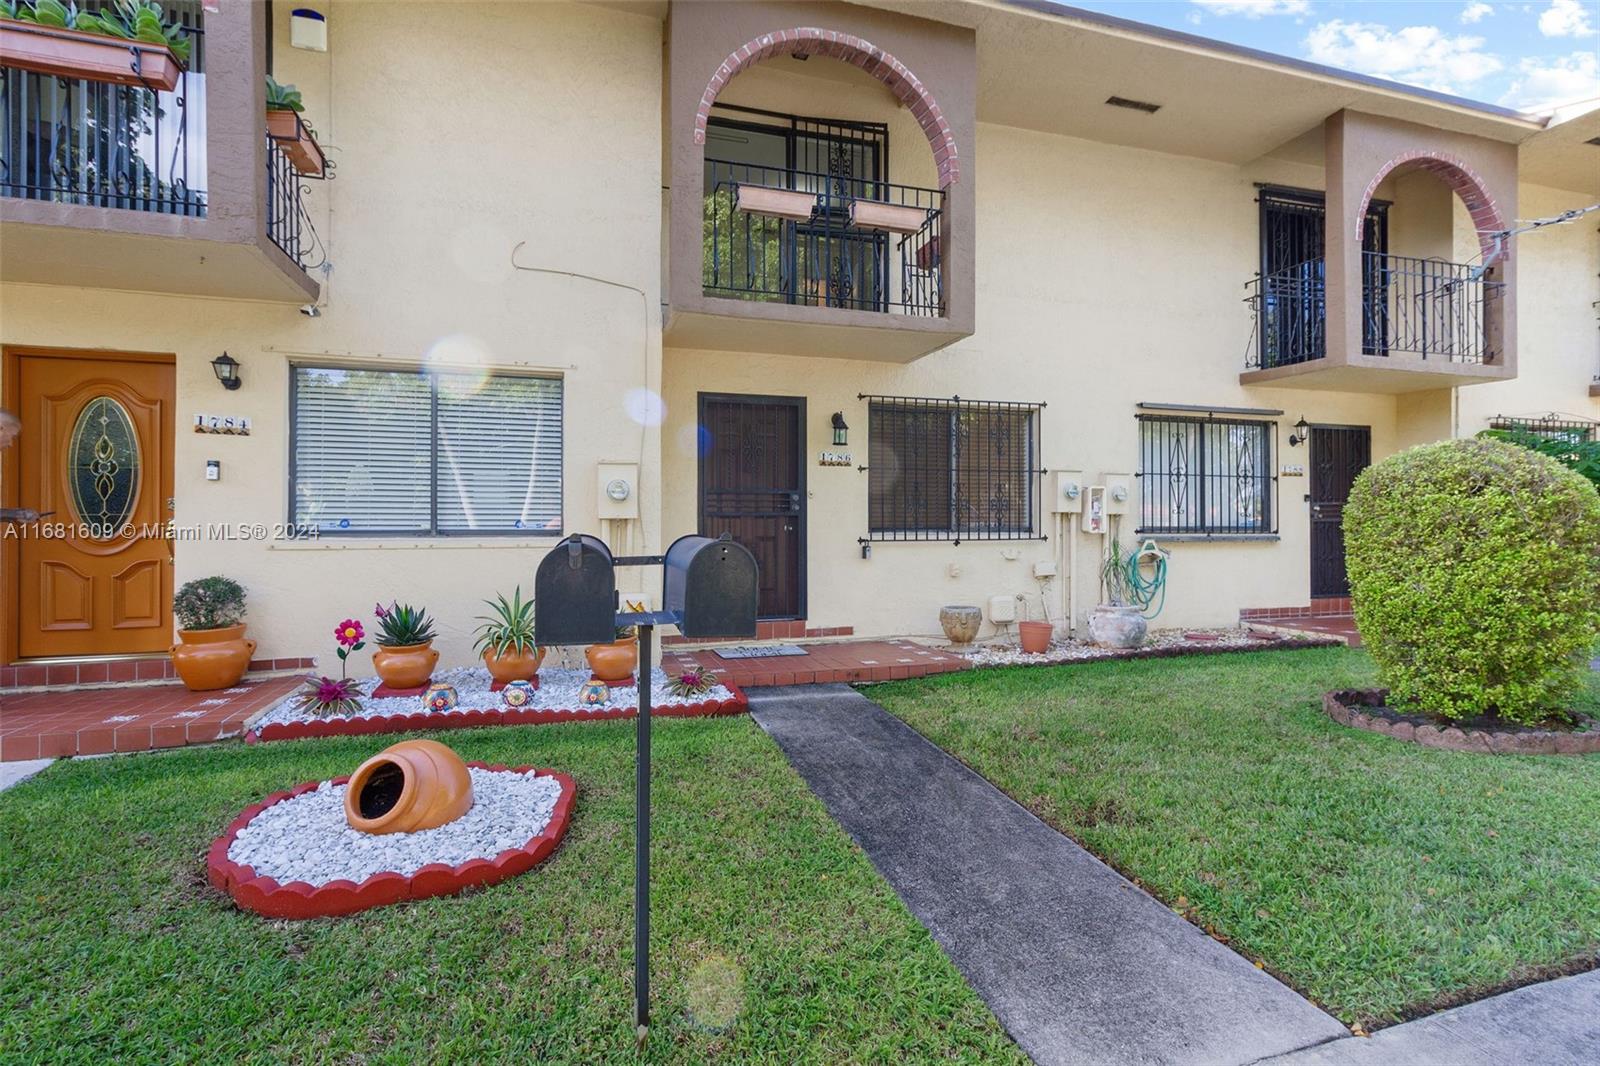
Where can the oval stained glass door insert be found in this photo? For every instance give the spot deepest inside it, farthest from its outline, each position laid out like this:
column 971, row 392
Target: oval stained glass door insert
column 104, row 466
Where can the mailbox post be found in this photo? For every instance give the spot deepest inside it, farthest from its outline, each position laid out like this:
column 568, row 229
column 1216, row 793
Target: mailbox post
column 709, row 589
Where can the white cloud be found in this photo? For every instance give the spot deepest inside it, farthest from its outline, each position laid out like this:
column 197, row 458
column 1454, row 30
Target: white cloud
column 1563, row 79
column 1254, row 9
column 1416, row 55
column 1565, row 18
column 1476, row 12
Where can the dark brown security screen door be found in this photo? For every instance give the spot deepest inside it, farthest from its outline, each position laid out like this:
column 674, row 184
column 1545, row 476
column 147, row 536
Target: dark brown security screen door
column 752, row 485
column 1338, row 454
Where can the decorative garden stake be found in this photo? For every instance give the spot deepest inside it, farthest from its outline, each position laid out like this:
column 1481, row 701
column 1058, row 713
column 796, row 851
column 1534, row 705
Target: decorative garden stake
column 340, row 695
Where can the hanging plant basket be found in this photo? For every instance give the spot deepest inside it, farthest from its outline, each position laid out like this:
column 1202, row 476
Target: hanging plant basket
column 896, row 218
column 90, row 56
column 781, row 203
column 296, row 141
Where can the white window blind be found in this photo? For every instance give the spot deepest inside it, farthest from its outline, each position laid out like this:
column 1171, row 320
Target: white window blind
column 411, row 452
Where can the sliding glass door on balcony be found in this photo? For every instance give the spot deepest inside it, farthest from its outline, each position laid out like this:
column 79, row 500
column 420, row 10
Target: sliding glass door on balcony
column 101, row 145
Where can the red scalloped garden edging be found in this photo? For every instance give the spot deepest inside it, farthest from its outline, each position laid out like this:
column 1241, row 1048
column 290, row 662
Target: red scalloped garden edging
column 298, row 899
column 476, row 719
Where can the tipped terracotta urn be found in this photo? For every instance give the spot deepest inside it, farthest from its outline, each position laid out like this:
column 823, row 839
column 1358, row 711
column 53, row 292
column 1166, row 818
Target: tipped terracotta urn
column 409, row 786
column 405, row 665
column 209, row 659
column 614, row 662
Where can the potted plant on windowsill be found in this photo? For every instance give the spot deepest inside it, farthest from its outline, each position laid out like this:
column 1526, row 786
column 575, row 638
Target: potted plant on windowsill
column 505, row 640
column 616, row 662
column 294, row 135
column 1118, row 622
column 405, row 656
column 127, row 43
column 213, row 652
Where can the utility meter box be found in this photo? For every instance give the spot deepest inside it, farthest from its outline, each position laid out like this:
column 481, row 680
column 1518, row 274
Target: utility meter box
column 617, row 490
column 1065, row 488
column 1119, row 490
column 1094, row 509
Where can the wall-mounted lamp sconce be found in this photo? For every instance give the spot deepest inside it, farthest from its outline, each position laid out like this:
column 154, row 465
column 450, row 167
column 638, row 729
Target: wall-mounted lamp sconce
column 841, row 432
column 1302, row 432
column 226, row 368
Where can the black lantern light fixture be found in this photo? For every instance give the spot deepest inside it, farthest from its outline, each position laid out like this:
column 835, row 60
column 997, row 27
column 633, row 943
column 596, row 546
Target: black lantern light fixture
column 1302, row 431
column 841, row 432
column 226, row 368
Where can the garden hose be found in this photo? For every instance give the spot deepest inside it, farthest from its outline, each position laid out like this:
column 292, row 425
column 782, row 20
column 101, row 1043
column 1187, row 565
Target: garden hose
column 1144, row 592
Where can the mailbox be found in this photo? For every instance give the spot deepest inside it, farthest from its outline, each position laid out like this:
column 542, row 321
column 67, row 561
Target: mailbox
column 575, row 589
column 710, row 587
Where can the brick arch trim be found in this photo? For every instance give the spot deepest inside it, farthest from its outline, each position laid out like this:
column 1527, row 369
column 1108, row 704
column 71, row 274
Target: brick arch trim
column 811, row 41
column 1463, row 181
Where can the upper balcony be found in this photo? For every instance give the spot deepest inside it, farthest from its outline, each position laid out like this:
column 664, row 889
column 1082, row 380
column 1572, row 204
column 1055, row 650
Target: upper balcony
column 125, row 180
column 804, row 235
column 1396, row 279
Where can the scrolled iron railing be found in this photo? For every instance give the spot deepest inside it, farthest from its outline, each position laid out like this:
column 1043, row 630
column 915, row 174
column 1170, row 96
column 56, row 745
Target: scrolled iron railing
column 826, row 257
column 289, row 224
column 1427, row 308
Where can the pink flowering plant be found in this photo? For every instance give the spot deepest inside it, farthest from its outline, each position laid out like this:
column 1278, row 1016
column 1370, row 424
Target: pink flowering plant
column 342, row 694
column 696, row 681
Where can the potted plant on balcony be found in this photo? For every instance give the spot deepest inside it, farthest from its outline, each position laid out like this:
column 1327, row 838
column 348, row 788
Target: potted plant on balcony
column 294, row 135
column 615, row 663
column 405, row 656
column 505, row 640
column 128, row 43
column 1118, row 622
column 212, row 652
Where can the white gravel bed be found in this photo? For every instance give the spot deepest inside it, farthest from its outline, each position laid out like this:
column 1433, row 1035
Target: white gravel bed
column 1068, row 651
column 558, row 690
column 306, row 838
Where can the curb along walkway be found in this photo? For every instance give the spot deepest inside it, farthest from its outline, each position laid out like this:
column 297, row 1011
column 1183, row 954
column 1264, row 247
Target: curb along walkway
column 1079, row 965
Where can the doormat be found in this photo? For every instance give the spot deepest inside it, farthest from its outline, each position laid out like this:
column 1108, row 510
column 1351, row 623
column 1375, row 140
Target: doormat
column 760, row 651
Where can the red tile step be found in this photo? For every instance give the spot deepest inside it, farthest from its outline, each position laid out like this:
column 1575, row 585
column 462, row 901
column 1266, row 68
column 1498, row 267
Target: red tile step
column 153, row 668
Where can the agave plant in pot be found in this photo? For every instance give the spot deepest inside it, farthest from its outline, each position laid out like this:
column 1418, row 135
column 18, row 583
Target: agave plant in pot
column 213, row 652
column 615, row 663
column 1119, row 622
column 405, row 656
column 505, row 640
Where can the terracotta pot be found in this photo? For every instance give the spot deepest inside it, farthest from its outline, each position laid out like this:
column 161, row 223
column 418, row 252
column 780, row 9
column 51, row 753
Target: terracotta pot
column 511, row 666
column 1035, row 636
column 960, row 623
column 295, row 141
column 405, row 666
column 92, row 56
column 409, row 786
column 615, row 661
column 212, row 658
column 1118, row 627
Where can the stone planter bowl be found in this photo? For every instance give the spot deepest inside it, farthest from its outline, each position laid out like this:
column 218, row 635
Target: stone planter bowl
column 961, row 623
column 1118, row 627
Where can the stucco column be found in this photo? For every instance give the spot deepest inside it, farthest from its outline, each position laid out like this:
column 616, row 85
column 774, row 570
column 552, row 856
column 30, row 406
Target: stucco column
column 1341, row 244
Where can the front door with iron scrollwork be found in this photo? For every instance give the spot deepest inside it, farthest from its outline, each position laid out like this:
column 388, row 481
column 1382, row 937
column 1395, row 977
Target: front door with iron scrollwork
column 95, row 575
column 752, row 486
column 1338, row 455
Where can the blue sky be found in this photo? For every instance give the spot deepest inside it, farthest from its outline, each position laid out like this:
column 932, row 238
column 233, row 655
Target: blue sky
column 1521, row 55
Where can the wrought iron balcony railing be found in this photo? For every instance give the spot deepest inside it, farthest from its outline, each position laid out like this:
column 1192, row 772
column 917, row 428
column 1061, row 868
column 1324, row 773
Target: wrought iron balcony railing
column 288, row 223
column 1422, row 307
column 825, row 240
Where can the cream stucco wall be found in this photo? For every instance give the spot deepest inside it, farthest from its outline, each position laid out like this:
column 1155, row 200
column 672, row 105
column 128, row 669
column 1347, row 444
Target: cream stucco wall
column 530, row 125
column 1106, row 277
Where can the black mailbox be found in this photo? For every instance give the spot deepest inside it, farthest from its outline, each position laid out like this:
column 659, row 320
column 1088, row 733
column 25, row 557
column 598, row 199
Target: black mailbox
column 575, row 593
column 710, row 587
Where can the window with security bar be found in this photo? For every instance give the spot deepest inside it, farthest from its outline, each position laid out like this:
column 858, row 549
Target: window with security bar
column 424, row 454
column 1575, row 430
column 952, row 469
column 1205, row 475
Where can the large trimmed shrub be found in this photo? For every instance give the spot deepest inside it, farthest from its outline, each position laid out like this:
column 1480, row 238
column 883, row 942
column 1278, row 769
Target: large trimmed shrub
column 1475, row 573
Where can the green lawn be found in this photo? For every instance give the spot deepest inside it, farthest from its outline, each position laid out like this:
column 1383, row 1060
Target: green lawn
column 775, row 940
column 1377, row 877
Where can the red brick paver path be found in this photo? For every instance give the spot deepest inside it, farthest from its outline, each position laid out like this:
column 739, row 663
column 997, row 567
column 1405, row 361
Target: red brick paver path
column 59, row 722
column 854, row 660
column 1342, row 626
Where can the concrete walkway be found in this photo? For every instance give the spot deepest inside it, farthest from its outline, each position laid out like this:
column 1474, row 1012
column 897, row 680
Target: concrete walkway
column 1556, row 1023
column 1078, row 964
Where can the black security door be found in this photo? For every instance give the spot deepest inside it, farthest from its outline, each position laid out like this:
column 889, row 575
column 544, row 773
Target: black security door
column 1338, row 454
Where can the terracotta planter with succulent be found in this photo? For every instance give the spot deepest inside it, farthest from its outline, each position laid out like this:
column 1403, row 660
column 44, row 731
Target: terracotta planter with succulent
column 293, row 134
column 125, row 43
column 505, row 640
column 405, row 657
column 213, row 652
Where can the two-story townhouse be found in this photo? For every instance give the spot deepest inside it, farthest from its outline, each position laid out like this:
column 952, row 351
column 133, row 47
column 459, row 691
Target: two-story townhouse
column 921, row 302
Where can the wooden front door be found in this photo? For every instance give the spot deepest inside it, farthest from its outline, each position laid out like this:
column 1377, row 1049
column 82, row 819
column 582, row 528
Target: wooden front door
column 752, row 485
column 95, row 457
column 1338, row 454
